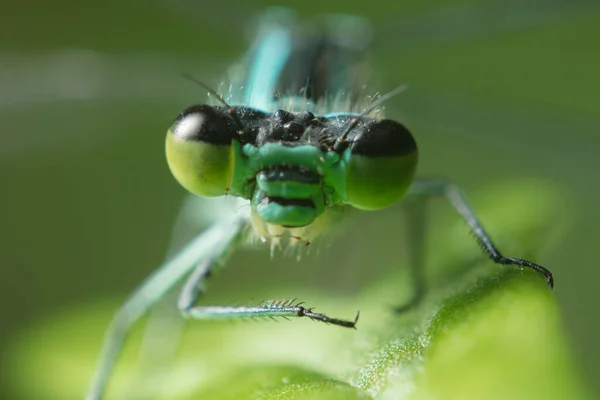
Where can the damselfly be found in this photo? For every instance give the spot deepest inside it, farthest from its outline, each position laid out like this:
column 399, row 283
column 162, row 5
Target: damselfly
column 297, row 164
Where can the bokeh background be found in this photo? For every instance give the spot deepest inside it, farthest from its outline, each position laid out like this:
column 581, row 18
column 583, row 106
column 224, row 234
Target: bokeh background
column 499, row 90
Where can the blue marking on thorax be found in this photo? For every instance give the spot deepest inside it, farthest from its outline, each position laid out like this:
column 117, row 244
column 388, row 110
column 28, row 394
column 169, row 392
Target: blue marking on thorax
column 341, row 114
column 274, row 47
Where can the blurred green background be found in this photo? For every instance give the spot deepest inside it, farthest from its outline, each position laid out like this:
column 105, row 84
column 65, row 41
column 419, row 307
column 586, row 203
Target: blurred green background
column 498, row 90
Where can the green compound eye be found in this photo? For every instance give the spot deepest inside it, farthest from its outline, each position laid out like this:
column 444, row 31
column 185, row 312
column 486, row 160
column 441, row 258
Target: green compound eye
column 382, row 163
column 199, row 150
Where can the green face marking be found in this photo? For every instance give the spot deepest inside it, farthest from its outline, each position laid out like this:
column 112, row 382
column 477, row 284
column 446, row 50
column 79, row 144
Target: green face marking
column 285, row 163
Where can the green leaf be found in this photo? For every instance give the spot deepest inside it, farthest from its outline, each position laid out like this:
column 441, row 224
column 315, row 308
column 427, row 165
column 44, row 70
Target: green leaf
column 483, row 332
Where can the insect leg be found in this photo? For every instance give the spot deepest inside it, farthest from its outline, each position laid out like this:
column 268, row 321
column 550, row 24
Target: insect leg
column 194, row 287
column 212, row 242
column 416, row 225
column 164, row 326
column 440, row 187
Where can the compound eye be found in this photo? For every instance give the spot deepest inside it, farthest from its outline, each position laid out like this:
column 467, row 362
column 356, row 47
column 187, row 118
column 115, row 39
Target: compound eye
column 199, row 150
column 382, row 164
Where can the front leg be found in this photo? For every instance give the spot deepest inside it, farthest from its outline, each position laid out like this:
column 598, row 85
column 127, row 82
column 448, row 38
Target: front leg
column 194, row 287
column 210, row 244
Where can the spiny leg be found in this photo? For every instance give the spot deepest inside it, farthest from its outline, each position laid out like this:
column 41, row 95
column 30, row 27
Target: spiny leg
column 440, row 187
column 416, row 225
column 194, row 287
column 211, row 243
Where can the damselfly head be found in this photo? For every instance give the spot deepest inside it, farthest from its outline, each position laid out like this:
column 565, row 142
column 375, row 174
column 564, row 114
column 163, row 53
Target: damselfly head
column 292, row 166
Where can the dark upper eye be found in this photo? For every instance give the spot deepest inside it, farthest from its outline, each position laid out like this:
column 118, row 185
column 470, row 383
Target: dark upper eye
column 203, row 123
column 198, row 148
column 381, row 166
column 384, row 138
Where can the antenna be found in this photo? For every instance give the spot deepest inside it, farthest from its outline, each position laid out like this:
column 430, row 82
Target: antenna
column 383, row 98
column 354, row 121
column 218, row 96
